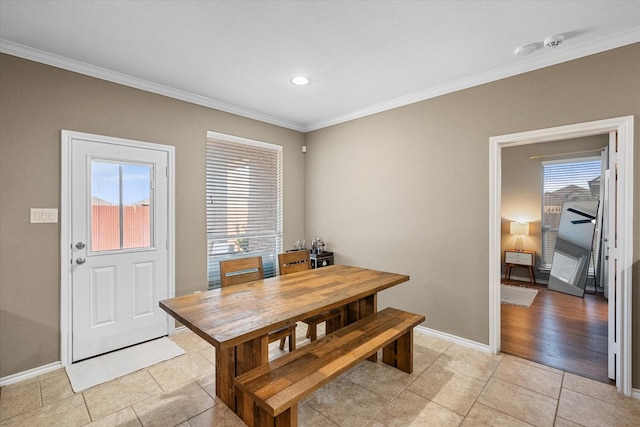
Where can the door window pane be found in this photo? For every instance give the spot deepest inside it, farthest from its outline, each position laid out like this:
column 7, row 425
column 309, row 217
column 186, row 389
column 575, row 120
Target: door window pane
column 136, row 196
column 120, row 205
column 105, row 206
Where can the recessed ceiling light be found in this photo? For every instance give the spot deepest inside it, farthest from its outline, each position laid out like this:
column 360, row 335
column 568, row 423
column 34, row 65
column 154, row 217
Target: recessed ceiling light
column 300, row 80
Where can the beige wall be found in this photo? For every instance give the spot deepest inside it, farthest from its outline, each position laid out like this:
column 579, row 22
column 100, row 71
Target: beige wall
column 36, row 102
column 407, row 190
column 522, row 188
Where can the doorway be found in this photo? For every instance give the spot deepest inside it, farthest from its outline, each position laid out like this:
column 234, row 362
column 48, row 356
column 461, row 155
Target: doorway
column 623, row 250
column 116, row 243
column 539, row 183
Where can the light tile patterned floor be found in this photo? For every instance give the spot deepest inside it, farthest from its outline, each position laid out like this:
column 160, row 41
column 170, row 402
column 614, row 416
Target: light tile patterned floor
column 451, row 386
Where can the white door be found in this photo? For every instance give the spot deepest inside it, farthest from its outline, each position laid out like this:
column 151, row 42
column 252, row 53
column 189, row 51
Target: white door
column 119, row 240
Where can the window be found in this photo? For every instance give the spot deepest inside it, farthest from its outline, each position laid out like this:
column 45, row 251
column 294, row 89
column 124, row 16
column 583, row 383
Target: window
column 565, row 180
column 120, row 205
column 244, row 202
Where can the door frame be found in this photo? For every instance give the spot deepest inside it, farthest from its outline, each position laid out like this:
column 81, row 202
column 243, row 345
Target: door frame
column 66, row 315
column 624, row 127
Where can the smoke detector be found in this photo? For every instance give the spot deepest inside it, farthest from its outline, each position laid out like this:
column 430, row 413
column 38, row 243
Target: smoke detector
column 525, row 50
column 554, row 41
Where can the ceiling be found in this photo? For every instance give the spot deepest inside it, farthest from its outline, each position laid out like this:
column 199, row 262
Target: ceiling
column 361, row 57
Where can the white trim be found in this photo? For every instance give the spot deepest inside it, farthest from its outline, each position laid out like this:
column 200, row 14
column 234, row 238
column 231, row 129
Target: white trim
column 31, row 373
column 66, row 138
column 625, row 251
column 65, row 244
column 531, row 63
column 179, row 329
column 624, row 127
column 453, row 338
column 64, row 63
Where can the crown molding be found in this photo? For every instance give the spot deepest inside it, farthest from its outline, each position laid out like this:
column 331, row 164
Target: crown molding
column 58, row 61
column 534, row 62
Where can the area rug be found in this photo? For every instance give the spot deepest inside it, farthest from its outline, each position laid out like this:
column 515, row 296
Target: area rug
column 100, row 369
column 517, row 295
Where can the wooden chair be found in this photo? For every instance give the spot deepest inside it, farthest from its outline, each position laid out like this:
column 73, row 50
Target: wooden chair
column 242, row 270
column 292, row 262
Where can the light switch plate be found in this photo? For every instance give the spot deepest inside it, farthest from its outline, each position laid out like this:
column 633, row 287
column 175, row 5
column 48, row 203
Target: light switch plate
column 42, row 216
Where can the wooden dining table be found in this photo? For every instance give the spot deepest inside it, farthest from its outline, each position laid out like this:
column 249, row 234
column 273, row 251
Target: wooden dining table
column 236, row 320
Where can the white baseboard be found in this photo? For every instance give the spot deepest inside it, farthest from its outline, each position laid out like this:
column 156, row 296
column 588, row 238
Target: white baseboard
column 178, row 329
column 454, row 339
column 635, row 393
column 31, row 373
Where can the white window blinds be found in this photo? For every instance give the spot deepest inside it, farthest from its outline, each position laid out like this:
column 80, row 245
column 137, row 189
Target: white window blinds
column 244, row 202
column 566, row 180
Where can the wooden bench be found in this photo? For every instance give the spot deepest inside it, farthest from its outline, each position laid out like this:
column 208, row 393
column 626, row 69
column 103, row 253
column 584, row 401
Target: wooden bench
column 268, row 395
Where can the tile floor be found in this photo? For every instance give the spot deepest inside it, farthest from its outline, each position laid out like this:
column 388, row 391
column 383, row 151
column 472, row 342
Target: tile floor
column 451, row 386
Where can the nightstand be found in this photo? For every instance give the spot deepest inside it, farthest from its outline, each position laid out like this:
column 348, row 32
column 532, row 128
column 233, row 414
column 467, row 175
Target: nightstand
column 515, row 258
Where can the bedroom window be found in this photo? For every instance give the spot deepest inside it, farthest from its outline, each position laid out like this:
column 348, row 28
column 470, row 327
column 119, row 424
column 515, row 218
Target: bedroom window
column 244, row 202
column 565, row 180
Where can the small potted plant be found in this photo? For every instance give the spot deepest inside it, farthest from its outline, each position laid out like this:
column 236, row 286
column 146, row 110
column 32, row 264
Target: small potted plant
column 243, row 244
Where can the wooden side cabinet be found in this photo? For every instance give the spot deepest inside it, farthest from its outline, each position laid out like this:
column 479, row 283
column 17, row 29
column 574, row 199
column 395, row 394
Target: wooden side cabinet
column 513, row 258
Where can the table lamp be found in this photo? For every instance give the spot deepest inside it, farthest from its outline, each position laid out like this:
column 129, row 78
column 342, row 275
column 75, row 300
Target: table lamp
column 519, row 229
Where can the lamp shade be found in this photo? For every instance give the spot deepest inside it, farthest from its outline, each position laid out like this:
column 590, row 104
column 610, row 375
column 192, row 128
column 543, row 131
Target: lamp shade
column 520, row 228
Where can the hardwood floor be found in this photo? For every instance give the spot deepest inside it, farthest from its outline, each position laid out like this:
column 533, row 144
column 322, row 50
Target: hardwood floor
column 559, row 330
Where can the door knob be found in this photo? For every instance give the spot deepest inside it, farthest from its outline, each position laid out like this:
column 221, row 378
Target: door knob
column 80, row 245
column 80, row 261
